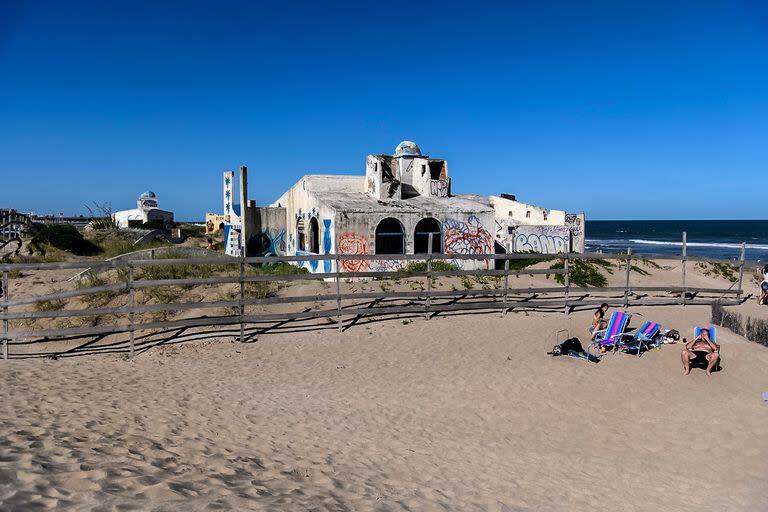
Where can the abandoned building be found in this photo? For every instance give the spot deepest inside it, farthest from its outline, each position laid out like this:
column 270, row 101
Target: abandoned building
column 401, row 202
column 145, row 213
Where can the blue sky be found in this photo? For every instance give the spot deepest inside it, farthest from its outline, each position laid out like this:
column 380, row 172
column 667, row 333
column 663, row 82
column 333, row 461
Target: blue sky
column 645, row 111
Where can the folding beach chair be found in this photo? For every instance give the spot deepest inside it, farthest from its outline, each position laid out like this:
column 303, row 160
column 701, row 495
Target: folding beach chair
column 611, row 336
column 644, row 337
column 712, row 336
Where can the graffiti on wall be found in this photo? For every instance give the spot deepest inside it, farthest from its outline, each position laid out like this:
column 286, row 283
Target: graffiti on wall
column 270, row 242
column 386, row 265
column 542, row 239
column 438, row 188
column 576, row 224
column 573, row 222
column 466, row 237
column 353, row 243
column 327, row 238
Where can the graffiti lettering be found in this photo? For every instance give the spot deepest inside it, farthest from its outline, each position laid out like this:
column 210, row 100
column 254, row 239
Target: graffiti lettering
column 438, row 188
column 543, row 244
column 573, row 222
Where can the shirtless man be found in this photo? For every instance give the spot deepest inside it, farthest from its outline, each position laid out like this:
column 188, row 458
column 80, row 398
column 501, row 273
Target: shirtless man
column 700, row 347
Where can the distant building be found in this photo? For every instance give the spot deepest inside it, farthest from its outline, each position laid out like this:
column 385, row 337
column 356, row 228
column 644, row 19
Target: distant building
column 13, row 224
column 214, row 223
column 402, row 200
column 146, row 211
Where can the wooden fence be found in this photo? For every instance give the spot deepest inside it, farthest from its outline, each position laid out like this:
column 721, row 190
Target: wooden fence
column 427, row 301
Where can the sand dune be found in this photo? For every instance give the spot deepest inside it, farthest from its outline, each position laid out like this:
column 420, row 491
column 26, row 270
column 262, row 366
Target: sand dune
column 459, row 412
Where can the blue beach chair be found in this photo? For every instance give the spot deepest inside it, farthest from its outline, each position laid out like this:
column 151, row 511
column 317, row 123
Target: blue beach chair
column 611, row 336
column 644, row 337
column 712, row 336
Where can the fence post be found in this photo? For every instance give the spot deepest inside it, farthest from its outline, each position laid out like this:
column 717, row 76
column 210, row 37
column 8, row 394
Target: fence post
column 566, row 283
column 684, row 259
column 131, row 305
column 506, row 284
column 242, row 298
column 629, row 269
column 338, row 294
column 741, row 269
column 6, row 293
column 429, row 278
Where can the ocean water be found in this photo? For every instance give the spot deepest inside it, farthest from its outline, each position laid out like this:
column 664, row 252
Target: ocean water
column 710, row 238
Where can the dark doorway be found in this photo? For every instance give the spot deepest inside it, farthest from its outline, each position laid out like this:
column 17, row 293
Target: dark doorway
column 314, row 236
column 421, row 233
column 437, row 169
column 390, row 238
column 499, row 249
column 300, row 235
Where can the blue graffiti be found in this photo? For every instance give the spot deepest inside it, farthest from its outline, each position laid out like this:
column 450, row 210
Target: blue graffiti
column 312, row 264
column 327, row 243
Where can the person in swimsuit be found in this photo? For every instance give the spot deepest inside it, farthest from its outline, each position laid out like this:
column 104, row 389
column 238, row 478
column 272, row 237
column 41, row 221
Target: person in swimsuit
column 598, row 320
column 763, row 298
column 700, row 348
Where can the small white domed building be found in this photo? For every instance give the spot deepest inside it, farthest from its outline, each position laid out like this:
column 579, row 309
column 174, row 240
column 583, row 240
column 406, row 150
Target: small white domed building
column 146, row 211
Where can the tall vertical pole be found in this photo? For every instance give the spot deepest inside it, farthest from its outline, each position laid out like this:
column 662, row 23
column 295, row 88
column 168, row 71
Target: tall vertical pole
column 429, row 278
column 338, row 294
column 244, row 217
column 629, row 269
column 741, row 269
column 131, row 305
column 6, row 298
column 506, row 284
column 566, row 283
column 242, row 297
column 683, row 263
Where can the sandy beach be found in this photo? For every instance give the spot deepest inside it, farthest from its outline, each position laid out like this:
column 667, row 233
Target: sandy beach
column 460, row 412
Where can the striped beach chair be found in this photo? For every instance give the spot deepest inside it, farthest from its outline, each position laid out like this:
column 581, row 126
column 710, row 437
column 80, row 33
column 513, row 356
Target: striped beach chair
column 644, row 337
column 611, row 336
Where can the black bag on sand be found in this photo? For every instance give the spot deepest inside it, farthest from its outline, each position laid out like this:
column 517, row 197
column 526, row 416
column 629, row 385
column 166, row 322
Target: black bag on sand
column 572, row 347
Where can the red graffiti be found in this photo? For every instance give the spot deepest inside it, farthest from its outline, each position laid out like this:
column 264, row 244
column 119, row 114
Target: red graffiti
column 353, row 243
column 466, row 237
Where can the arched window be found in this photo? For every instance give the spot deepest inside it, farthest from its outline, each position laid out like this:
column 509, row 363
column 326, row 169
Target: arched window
column 390, row 238
column 421, row 233
column 314, row 236
column 300, row 235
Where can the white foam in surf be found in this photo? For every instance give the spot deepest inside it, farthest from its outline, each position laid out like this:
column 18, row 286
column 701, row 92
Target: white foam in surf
column 698, row 244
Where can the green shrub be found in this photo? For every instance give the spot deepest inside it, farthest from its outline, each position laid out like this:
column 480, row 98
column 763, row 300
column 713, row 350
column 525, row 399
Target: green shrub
column 64, row 237
column 98, row 299
column 437, row 266
column 50, row 305
column 650, row 263
column 722, row 270
column 580, row 273
column 279, row 268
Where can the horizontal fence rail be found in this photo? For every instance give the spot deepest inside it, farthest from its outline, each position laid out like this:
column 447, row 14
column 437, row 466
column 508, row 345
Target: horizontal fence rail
column 427, row 301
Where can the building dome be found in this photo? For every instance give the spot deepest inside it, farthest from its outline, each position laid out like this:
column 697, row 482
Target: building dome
column 147, row 194
column 407, row 148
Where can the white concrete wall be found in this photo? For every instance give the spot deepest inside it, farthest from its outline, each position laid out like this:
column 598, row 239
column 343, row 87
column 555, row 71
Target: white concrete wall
column 300, row 203
column 519, row 213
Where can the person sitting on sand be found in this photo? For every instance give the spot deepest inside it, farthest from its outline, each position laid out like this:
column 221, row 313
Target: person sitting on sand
column 700, row 348
column 763, row 299
column 598, row 320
